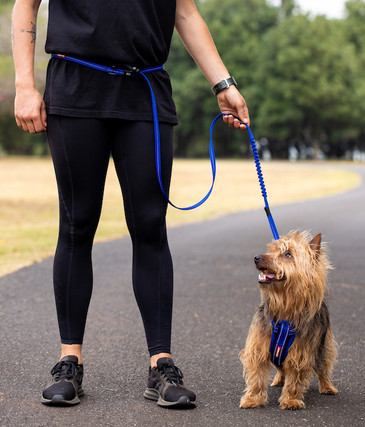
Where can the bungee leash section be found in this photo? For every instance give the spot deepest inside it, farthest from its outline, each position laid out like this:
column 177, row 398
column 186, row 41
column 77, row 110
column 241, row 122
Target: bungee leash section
column 262, row 184
column 132, row 71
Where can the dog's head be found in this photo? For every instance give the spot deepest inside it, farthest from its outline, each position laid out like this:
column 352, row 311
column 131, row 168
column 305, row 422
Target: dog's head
column 294, row 267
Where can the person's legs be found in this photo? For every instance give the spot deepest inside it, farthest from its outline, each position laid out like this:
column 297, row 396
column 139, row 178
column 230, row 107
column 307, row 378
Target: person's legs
column 80, row 152
column 145, row 209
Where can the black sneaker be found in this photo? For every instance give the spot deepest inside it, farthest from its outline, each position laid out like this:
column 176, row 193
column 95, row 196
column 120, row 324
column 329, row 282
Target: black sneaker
column 165, row 386
column 66, row 385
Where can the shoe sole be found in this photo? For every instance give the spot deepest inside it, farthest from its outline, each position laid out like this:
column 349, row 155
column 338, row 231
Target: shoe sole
column 152, row 394
column 59, row 400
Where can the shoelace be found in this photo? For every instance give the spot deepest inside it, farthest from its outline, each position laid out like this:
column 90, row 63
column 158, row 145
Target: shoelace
column 172, row 373
column 64, row 370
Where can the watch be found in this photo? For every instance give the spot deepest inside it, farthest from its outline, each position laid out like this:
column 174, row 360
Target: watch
column 224, row 84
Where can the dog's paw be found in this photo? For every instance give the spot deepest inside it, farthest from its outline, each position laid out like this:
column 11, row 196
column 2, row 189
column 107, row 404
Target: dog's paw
column 248, row 401
column 328, row 389
column 292, row 404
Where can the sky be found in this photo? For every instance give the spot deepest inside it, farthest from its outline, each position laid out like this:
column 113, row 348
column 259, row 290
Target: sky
column 330, row 8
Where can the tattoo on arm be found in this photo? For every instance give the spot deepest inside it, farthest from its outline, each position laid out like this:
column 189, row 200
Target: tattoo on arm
column 32, row 32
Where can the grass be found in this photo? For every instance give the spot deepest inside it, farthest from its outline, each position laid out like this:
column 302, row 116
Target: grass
column 29, row 206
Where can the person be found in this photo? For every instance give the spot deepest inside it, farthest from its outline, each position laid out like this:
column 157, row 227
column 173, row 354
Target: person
column 88, row 115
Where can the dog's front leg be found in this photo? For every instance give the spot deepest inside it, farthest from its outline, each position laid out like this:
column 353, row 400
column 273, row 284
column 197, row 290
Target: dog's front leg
column 256, row 368
column 296, row 382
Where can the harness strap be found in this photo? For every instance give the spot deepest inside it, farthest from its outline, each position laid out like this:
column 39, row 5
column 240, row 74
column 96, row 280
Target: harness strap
column 282, row 338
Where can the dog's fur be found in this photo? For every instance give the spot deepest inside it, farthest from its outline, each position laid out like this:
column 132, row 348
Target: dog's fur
column 293, row 287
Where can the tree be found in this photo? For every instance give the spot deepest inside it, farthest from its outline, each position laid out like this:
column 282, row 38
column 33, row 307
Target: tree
column 353, row 27
column 306, row 77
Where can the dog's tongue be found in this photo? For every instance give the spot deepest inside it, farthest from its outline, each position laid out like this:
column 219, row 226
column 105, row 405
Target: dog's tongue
column 266, row 277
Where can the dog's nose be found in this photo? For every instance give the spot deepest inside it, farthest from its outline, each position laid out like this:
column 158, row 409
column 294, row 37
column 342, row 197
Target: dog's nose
column 257, row 258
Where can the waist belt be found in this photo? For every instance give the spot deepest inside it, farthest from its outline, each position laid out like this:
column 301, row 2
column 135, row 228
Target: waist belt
column 283, row 334
column 126, row 71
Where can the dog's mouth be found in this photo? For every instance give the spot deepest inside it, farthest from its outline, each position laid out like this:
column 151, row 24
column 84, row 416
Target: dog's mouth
column 266, row 276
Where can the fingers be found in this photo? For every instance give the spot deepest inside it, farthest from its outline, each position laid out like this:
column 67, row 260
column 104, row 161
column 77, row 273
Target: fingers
column 30, row 111
column 234, row 122
column 32, row 123
column 233, row 105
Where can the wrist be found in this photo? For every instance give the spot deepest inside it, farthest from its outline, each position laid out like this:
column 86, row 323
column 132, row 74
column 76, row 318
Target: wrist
column 24, row 79
column 224, row 84
column 24, row 85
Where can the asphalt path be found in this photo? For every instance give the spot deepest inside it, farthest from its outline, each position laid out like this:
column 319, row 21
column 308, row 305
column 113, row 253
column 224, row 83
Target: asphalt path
column 215, row 297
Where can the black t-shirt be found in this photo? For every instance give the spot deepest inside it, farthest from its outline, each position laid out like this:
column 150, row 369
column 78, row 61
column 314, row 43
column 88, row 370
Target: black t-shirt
column 109, row 32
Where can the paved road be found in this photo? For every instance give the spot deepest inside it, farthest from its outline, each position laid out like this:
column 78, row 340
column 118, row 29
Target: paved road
column 215, row 297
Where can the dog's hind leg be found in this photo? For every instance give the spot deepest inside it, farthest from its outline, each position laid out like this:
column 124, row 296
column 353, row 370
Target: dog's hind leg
column 279, row 379
column 324, row 363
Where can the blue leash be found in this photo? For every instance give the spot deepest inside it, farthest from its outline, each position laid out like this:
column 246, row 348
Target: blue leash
column 212, row 162
column 132, row 71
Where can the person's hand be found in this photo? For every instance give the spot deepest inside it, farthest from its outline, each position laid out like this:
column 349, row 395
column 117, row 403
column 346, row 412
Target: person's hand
column 30, row 110
column 231, row 102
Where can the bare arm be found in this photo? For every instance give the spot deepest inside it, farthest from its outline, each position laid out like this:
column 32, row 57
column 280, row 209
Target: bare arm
column 197, row 39
column 29, row 108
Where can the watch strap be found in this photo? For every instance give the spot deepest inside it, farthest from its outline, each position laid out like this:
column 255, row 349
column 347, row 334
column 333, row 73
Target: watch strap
column 224, row 84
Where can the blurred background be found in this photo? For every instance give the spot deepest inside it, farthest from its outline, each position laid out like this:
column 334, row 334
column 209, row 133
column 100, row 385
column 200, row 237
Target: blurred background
column 299, row 64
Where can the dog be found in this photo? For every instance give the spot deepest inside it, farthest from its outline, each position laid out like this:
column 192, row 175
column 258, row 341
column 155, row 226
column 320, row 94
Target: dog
column 292, row 282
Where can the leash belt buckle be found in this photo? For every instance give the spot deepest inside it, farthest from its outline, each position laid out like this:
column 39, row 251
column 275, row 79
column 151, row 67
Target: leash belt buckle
column 130, row 71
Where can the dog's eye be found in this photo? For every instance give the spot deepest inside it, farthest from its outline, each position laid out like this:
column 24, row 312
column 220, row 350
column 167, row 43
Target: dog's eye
column 288, row 255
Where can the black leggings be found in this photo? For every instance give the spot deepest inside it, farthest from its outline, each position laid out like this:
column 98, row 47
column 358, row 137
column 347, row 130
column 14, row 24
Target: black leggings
column 80, row 150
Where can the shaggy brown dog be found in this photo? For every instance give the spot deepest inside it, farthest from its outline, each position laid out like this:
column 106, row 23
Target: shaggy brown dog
column 292, row 281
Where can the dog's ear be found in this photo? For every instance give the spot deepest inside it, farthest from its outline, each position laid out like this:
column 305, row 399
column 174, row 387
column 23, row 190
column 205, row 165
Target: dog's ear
column 315, row 243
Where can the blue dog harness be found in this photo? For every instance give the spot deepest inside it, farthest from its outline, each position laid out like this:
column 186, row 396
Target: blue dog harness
column 283, row 334
column 132, row 71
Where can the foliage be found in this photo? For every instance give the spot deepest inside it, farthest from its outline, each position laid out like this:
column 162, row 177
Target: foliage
column 307, row 73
